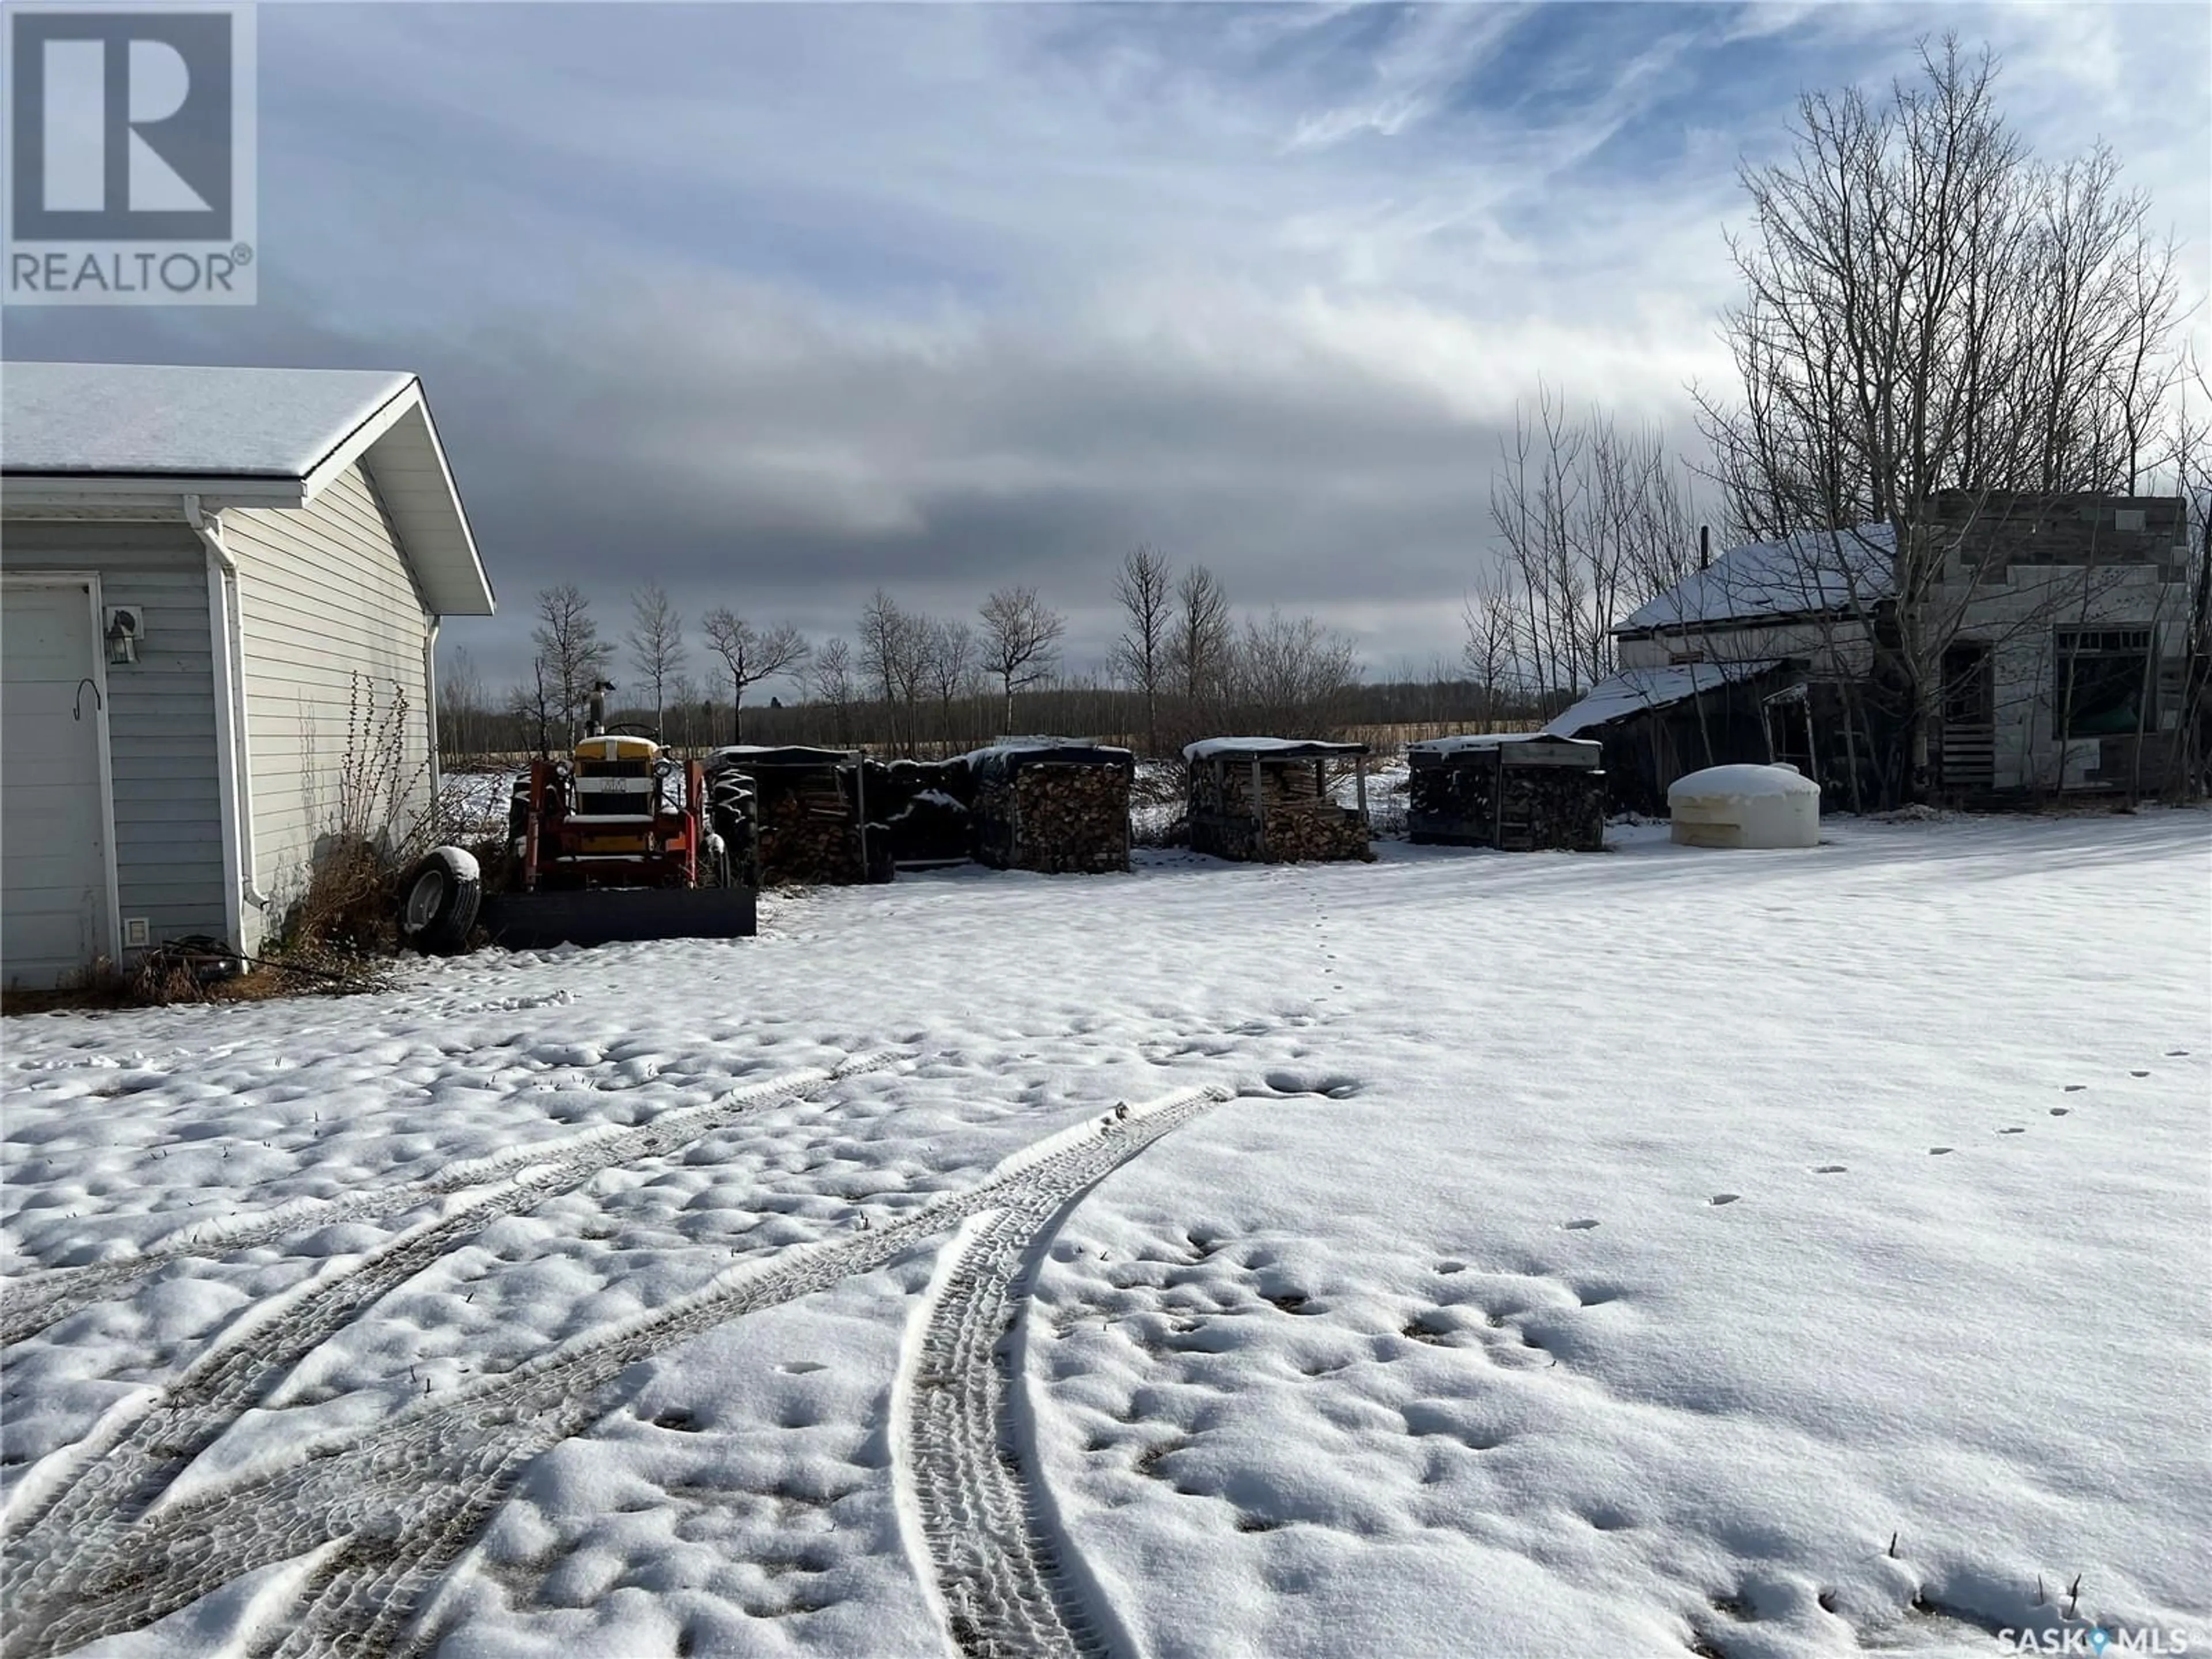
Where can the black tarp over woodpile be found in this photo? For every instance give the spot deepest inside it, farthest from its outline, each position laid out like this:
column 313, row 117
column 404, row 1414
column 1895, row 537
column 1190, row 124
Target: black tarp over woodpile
column 920, row 809
column 1267, row 800
column 808, row 806
column 1520, row 792
column 1056, row 806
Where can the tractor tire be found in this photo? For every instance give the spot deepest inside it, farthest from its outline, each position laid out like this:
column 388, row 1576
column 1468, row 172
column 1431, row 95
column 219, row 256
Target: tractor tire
column 438, row 902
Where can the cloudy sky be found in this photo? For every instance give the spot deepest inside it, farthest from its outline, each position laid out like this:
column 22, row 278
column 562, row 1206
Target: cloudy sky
column 778, row 304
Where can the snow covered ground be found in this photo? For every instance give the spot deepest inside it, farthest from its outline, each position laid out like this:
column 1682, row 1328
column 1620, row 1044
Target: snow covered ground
column 1465, row 1254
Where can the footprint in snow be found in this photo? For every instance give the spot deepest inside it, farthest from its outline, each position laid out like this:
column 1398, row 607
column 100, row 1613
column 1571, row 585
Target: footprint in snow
column 1937, row 1152
column 2177, row 1054
column 1580, row 1226
column 1718, row 1199
column 2076, row 1087
column 2058, row 1111
column 2138, row 1073
column 2014, row 1130
column 1830, row 1169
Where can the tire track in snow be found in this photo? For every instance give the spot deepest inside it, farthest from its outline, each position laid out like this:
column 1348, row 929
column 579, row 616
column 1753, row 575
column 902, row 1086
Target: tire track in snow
column 40, row 1299
column 76, row 1500
column 996, row 1573
column 405, row 1499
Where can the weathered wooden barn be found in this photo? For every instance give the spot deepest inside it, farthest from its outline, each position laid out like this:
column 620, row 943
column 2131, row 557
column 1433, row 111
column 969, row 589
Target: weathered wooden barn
column 1655, row 725
column 1273, row 799
column 1055, row 805
column 2069, row 629
column 1520, row 792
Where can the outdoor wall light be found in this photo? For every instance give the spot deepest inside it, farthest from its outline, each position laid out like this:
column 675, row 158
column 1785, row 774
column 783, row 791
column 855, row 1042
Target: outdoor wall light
column 125, row 628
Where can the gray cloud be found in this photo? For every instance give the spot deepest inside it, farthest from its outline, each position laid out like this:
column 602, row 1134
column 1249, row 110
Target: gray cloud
column 776, row 305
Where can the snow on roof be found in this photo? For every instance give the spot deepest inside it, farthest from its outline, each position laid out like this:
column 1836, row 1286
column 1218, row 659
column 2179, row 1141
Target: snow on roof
column 1741, row 782
column 1633, row 690
column 1468, row 740
column 1281, row 748
column 147, row 435
column 147, row 420
column 1812, row 571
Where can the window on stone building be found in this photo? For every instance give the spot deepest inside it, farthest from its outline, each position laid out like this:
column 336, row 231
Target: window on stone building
column 2104, row 683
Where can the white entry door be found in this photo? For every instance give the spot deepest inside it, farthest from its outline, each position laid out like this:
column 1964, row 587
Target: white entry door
column 56, row 910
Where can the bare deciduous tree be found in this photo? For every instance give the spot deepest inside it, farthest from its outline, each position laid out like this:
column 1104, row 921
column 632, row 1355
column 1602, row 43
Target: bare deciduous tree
column 1145, row 589
column 463, row 717
column 690, row 709
column 829, row 677
column 571, row 658
column 950, row 668
column 1493, row 636
column 894, row 654
column 1204, row 640
column 530, row 705
column 750, row 655
column 1021, row 641
column 1290, row 674
column 656, row 644
column 1595, row 520
column 1928, row 308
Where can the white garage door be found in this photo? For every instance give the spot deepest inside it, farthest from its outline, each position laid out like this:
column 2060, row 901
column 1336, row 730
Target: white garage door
column 54, row 906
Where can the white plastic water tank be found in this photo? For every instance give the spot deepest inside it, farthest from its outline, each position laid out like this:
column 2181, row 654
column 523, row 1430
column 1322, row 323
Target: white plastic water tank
column 1745, row 806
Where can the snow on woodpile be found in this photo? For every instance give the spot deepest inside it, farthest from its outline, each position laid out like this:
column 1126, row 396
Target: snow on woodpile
column 1056, row 805
column 1272, row 800
column 1746, row 806
column 1220, row 747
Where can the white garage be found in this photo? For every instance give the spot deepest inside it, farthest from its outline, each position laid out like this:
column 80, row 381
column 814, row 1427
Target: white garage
column 206, row 575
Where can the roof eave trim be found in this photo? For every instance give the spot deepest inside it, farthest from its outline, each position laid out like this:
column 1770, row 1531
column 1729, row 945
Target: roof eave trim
column 20, row 490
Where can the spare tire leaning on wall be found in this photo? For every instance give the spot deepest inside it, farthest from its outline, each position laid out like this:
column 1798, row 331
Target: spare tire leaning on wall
column 438, row 901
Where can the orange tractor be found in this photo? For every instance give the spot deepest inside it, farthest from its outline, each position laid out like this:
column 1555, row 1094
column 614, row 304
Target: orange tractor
column 616, row 840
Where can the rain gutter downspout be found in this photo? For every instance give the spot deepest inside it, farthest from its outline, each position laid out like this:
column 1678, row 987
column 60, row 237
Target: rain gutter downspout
column 240, row 853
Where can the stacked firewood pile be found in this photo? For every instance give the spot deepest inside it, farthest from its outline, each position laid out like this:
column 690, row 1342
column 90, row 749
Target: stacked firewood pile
column 1071, row 819
column 809, row 833
column 1316, row 830
column 1292, row 819
column 1555, row 809
column 1056, row 810
column 1501, row 796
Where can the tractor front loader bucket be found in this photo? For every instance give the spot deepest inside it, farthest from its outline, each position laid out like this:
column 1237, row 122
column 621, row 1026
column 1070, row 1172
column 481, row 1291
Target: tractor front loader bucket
column 605, row 916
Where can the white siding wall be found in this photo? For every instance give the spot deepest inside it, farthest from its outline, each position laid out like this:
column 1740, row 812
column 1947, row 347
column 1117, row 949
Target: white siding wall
column 333, row 632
